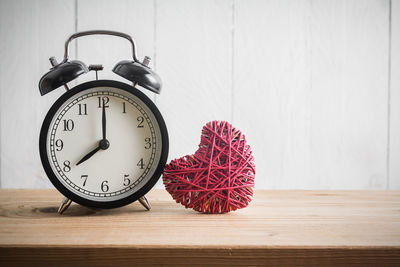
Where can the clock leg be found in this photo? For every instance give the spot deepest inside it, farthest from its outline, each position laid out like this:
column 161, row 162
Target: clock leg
column 64, row 205
column 143, row 200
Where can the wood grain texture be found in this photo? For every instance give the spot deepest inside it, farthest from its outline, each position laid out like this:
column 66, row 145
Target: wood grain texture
column 394, row 148
column 311, row 101
column 77, row 256
column 30, row 33
column 311, row 228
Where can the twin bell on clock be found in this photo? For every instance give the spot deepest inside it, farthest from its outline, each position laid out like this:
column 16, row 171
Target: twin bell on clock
column 103, row 143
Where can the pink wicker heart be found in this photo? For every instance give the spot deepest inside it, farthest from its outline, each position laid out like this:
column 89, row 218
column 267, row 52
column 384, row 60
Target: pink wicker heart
column 219, row 177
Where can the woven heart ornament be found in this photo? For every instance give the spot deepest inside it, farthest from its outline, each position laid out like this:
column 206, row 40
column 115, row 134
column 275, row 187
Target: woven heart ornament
column 219, row 176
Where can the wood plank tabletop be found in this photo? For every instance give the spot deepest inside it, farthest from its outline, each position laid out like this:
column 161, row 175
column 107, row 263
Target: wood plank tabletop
column 279, row 227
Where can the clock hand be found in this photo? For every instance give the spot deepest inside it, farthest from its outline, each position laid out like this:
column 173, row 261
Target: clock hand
column 90, row 154
column 103, row 144
column 103, row 122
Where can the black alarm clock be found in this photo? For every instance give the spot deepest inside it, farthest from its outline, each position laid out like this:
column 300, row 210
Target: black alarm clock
column 103, row 143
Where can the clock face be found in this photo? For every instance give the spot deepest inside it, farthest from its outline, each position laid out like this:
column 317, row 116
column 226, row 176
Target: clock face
column 104, row 166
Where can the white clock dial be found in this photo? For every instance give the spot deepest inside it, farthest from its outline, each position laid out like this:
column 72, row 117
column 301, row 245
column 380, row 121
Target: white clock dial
column 134, row 150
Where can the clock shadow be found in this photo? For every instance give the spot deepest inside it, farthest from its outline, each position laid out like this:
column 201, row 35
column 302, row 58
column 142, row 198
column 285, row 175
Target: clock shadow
column 29, row 211
column 76, row 210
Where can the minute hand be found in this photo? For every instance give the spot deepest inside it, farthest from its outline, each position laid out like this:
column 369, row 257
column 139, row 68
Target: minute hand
column 103, row 122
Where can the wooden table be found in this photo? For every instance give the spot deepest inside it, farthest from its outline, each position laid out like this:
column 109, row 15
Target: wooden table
column 279, row 227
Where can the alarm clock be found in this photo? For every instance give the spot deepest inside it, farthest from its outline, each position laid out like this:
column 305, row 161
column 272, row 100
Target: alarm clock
column 103, row 143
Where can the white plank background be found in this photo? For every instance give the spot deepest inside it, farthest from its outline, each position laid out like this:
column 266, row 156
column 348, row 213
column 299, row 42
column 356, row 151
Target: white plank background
column 194, row 59
column 30, row 32
column 315, row 85
column 394, row 122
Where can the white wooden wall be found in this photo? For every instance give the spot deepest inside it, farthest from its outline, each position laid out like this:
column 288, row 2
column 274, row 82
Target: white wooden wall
column 315, row 85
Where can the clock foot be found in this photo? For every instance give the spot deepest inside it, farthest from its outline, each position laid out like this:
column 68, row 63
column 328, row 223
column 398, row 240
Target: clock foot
column 143, row 200
column 64, row 205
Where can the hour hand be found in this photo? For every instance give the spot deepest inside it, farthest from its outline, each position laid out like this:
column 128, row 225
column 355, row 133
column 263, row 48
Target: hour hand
column 88, row 155
column 103, row 144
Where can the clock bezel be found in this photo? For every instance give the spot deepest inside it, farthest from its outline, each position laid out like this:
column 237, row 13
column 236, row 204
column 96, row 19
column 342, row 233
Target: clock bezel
column 79, row 199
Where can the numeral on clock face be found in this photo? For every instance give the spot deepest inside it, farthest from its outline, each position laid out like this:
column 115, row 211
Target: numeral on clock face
column 127, row 181
column 82, row 109
column 67, row 166
column 85, row 179
column 103, row 101
column 140, row 164
column 140, row 119
column 104, row 186
column 68, row 125
column 59, row 145
column 148, row 143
